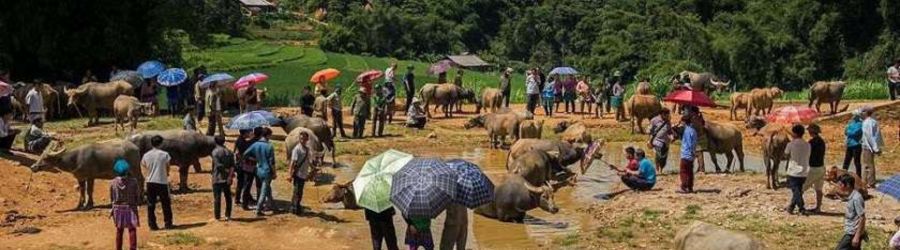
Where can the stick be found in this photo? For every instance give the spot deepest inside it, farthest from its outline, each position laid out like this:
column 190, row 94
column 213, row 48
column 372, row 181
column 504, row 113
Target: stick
column 30, row 179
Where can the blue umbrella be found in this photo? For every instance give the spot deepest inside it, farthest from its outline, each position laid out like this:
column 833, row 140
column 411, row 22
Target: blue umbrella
column 248, row 121
column 473, row 188
column 151, row 68
column 130, row 76
column 891, row 187
column 270, row 117
column 563, row 71
column 171, row 77
column 423, row 188
column 215, row 78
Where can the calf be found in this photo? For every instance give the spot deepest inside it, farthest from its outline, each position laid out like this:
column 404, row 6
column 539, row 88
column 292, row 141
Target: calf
column 128, row 108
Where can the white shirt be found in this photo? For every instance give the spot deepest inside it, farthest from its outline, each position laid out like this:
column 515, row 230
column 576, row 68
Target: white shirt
column 893, row 74
column 389, row 74
column 798, row 149
column 157, row 163
column 35, row 101
column 531, row 86
column 871, row 138
column 300, row 154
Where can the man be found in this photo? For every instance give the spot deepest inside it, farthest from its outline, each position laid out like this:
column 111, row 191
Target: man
column 617, row 102
column 641, row 179
column 455, row 227
column 361, row 111
column 390, row 95
column 854, row 217
column 337, row 112
column 893, row 75
column 688, row 146
column 505, row 87
column 299, row 171
column 816, row 176
column 173, row 98
column 797, row 151
column 379, row 119
column 409, row 84
column 214, row 106
column 199, row 92
column 35, row 102
column 264, row 154
column 36, row 140
column 156, row 162
column 390, row 73
column 320, row 106
column 531, row 90
column 872, row 143
column 247, row 173
column 307, row 101
column 660, row 137
column 222, row 172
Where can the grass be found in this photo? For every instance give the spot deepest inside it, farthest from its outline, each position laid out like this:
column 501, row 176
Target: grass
column 182, row 238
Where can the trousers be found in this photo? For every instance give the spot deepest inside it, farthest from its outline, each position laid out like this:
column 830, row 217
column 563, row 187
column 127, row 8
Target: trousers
column 219, row 190
column 158, row 193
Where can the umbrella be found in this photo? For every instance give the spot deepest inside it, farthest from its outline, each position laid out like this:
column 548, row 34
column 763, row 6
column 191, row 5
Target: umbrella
column 328, row 74
column 249, row 120
column 424, row 188
column 215, row 78
column 171, row 77
column 5, row 89
column 372, row 185
column 440, row 67
column 563, row 71
column 473, row 188
column 251, row 79
column 130, row 76
column 369, row 76
column 269, row 116
column 891, row 187
column 151, row 68
column 792, row 115
column 690, row 97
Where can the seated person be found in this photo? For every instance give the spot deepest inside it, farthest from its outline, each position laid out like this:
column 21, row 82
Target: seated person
column 632, row 162
column 415, row 115
column 36, row 140
column 642, row 179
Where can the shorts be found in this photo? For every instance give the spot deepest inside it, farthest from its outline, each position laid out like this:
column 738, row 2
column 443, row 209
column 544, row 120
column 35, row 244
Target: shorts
column 616, row 101
column 815, row 179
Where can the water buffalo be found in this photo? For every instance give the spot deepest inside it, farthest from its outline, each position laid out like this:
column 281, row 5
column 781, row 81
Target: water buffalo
column 827, row 92
column 698, row 81
column 514, row 197
column 762, row 100
column 572, row 132
column 49, row 95
column 642, row 107
column 185, row 147
column 538, row 167
column 442, row 95
column 342, row 193
column 89, row 162
column 318, row 126
column 468, row 96
column 129, row 108
column 94, row 96
column 740, row 100
column 315, row 146
column 776, row 137
column 491, row 98
column 568, row 154
column 723, row 139
column 498, row 125
column 531, row 129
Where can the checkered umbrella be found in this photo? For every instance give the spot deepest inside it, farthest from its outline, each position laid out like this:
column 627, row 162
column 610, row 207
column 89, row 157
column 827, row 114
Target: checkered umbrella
column 473, row 188
column 891, row 187
column 423, row 188
column 792, row 115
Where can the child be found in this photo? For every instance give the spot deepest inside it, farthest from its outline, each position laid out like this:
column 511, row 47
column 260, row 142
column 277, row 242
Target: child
column 895, row 240
column 124, row 196
column 418, row 233
column 855, row 217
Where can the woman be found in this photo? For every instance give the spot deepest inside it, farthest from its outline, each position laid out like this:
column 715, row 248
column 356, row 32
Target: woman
column 569, row 94
column 415, row 116
column 418, row 233
column 854, row 134
column 583, row 89
column 618, row 93
column 548, row 94
column 124, row 195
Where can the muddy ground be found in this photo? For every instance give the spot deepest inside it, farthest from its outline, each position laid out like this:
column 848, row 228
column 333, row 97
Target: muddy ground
column 37, row 207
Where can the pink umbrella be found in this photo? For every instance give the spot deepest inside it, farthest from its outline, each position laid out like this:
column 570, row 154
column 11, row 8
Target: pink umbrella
column 5, row 89
column 689, row 97
column 793, row 115
column 251, row 79
column 440, row 67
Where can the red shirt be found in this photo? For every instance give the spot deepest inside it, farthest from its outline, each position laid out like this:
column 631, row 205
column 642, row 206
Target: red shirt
column 632, row 165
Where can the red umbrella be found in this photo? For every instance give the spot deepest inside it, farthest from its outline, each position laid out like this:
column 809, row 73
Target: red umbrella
column 690, row 97
column 369, row 76
column 251, row 79
column 793, row 115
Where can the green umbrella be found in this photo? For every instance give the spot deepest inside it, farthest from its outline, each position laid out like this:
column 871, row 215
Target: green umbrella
column 373, row 183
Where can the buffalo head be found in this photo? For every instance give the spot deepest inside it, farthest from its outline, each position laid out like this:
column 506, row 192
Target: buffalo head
column 755, row 123
column 74, row 94
column 338, row 192
column 146, row 108
column 477, row 121
column 51, row 156
column 561, row 126
column 545, row 192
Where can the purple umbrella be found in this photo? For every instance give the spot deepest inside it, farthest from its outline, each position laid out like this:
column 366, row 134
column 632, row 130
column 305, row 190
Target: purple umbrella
column 440, row 67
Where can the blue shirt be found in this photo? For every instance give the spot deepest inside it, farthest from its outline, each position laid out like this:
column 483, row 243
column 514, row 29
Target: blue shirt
column 549, row 91
column 264, row 154
column 854, row 132
column 688, row 143
column 647, row 171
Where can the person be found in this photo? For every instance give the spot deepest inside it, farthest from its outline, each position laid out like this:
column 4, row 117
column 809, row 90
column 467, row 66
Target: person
column 641, row 179
column 186, row 95
column 442, row 77
column 418, row 233
column 854, row 134
column 895, row 240
column 854, row 217
column 5, row 100
column 222, row 173
column 156, row 161
column 415, row 116
column 618, row 93
column 125, row 197
column 548, row 95
column 199, row 92
column 631, row 160
column 361, row 111
column 456, row 226
column 88, row 77
column 599, row 97
column 531, row 90
column 113, row 71
column 584, row 94
column 569, row 94
column 660, row 137
column 189, row 123
column 246, row 175
column 390, row 74
column 409, row 84
column 7, row 134
column 320, row 105
column 307, row 101
column 148, row 93
column 381, row 228
column 252, row 98
column 797, row 151
column 816, row 177
column 173, row 97
column 458, row 80
column 703, row 140
column 505, row 87
column 36, row 140
column 35, row 102
column 872, row 143
column 264, row 155
column 558, row 89
column 299, row 171
column 337, row 113
column 688, row 146
column 319, row 84
column 378, row 119
column 893, row 79
column 539, row 77
column 390, row 96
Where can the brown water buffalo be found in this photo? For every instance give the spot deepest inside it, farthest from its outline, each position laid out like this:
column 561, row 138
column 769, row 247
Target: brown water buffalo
column 94, row 96
column 129, row 108
column 90, row 162
column 740, row 100
column 467, row 96
column 250, row 97
column 762, row 100
column 342, row 193
column 827, row 92
column 568, row 154
column 514, row 197
column 315, row 146
column 498, row 125
column 723, row 139
column 572, row 132
column 642, row 107
column 833, row 174
column 491, row 98
column 184, row 147
column 539, row 167
column 776, row 137
column 441, row 95
column 318, row 126
column 531, row 129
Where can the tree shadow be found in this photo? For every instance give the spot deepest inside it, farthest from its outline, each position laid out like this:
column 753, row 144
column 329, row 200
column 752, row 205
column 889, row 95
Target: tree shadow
column 188, row 226
column 191, row 191
column 323, row 216
column 609, row 196
column 827, row 214
column 248, row 220
column 21, row 158
column 707, row 191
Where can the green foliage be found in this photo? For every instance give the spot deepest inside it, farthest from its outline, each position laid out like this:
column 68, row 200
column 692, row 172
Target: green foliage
column 183, row 238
